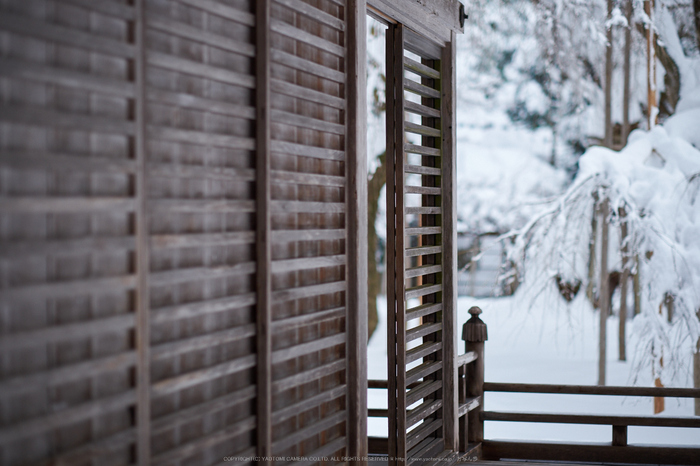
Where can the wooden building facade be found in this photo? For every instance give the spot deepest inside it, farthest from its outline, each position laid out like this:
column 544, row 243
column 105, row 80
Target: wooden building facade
column 183, row 229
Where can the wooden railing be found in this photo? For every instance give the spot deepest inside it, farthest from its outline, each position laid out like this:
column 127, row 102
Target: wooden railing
column 470, row 367
column 617, row 451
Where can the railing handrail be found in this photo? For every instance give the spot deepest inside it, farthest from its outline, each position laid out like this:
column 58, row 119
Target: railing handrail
column 593, row 419
column 592, row 390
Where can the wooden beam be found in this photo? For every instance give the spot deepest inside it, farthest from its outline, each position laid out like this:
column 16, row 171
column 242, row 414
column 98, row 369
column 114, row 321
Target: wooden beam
column 435, row 21
column 263, row 232
column 591, row 453
column 649, row 421
column 449, row 245
column 143, row 334
column 592, row 390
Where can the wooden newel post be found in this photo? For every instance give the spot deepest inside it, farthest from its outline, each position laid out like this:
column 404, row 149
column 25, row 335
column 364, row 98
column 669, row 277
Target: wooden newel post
column 474, row 336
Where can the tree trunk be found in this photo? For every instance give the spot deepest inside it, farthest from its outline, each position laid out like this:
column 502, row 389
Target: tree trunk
column 637, row 287
column 374, row 278
column 592, row 246
column 696, row 8
column 627, row 75
column 604, row 299
column 696, row 371
column 623, row 286
column 608, row 81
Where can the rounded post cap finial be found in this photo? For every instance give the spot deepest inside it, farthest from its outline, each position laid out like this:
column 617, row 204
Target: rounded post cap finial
column 474, row 330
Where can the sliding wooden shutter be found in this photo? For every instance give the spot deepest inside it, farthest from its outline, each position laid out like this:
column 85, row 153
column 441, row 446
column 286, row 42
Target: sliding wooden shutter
column 181, row 242
column 420, row 248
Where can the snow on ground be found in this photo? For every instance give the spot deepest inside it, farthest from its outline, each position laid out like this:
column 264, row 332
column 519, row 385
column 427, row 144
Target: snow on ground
column 546, row 346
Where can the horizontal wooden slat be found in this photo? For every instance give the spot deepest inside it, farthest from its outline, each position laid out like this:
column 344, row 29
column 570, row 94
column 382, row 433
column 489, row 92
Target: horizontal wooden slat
column 414, row 437
column 21, row 250
column 378, row 445
column 202, row 205
column 201, row 342
column 67, row 416
column 307, row 235
column 307, row 291
column 420, row 412
column 189, row 379
column 422, row 371
column 215, row 73
column 422, row 130
column 187, row 415
column 292, row 119
column 194, row 447
column 200, row 137
column 592, row 390
column 65, row 205
column 421, row 90
column 655, row 421
column 313, row 13
column 57, row 34
column 189, row 101
column 423, row 210
column 303, row 349
column 423, row 310
column 43, row 161
column 72, row 331
column 469, row 405
column 423, row 330
column 372, row 412
column 299, row 63
column 311, row 374
column 40, row 116
column 69, row 288
column 308, row 403
column 420, row 170
column 283, row 207
column 202, row 172
column 116, row 9
column 300, row 435
column 105, row 447
column 422, row 290
column 68, row 373
column 423, row 390
column 417, row 43
column 290, row 148
column 221, row 9
column 420, row 69
column 289, row 323
column 304, row 93
column 421, row 110
column 295, row 33
column 423, row 350
column 287, row 177
column 305, row 263
column 180, row 29
column 423, row 231
column 423, row 251
column 330, row 449
column 63, row 77
column 416, row 149
column 592, row 452
column 422, row 271
column 425, row 190
column 202, row 240
column 466, row 358
column 200, row 308
column 427, row 452
column 171, row 277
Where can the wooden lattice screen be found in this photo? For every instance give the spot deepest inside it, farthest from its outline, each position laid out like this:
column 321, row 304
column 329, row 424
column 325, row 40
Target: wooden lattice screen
column 180, row 275
column 421, row 294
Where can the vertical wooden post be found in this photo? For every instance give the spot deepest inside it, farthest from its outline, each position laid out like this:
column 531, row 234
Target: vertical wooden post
column 396, row 285
column 592, row 246
column 636, row 286
column 356, row 228
column 627, row 74
column 624, row 278
column 608, row 80
column 449, row 255
column 619, row 436
column 143, row 330
column 474, row 333
column 263, row 231
column 696, row 375
column 463, row 421
column 603, row 299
